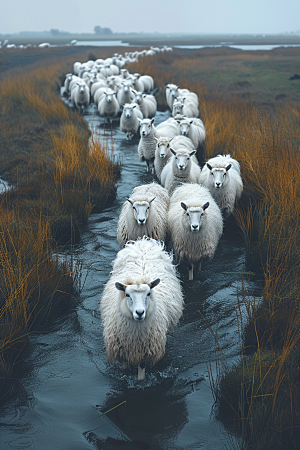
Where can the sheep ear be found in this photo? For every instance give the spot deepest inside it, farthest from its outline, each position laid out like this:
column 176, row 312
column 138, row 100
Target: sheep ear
column 130, row 201
column 154, row 283
column 204, row 207
column 209, row 166
column 183, row 205
column 193, row 152
column 120, row 286
column 156, row 138
column 140, row 120
column 228, row 167
column 152, row 121
column 173, row 151
column 152, row 199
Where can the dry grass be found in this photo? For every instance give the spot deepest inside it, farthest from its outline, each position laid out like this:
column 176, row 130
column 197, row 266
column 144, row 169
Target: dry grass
column 259, row 395
column 59, row 178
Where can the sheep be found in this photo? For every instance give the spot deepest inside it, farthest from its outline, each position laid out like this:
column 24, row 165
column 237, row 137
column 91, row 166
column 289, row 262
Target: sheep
column 129, row 122
column 67, row 82
column 195, row 224
column 144, row 214
column 80, row 96
column 173, row 91
column 168, row 128
column 147, row 144
column 137, row 84
column 148, row 83
column 221, row 175
column 193, row 129
column 185, row 107
column 147, row 104
column 181, row 168
column 108, row 106
column 125, row 93
column 141, row 302
column 163, row 152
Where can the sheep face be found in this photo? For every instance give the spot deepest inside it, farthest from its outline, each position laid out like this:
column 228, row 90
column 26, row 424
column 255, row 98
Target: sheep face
column 109, row 96
column 194, row 216
column 163, row 148
column 141, row 210
column 177, row 108
column 138, row 298
column 182, row 159
column 184, row 127
column 138, row 98
column 146, row 127
column 219, row 175
column 127, row 110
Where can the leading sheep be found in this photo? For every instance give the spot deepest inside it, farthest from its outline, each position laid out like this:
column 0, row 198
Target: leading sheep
column 141, row 302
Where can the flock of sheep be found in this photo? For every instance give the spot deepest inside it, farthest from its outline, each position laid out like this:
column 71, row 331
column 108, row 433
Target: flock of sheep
column 143, row 298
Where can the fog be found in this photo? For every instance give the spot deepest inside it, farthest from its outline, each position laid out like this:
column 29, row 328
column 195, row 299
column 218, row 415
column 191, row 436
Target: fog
column 197, row 16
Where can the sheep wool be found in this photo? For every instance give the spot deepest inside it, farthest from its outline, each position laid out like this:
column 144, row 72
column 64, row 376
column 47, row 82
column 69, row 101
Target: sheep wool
column 142, row 265
column 221, row 175
column 195, row 224
column 144, row 214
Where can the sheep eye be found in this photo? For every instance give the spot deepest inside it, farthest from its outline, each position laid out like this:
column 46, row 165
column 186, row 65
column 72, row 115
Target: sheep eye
column 148, row 294
column 187, row 214
column 127, row 295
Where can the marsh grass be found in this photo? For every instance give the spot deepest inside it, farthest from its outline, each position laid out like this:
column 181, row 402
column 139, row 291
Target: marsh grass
column 258, row 397
column 60, row 177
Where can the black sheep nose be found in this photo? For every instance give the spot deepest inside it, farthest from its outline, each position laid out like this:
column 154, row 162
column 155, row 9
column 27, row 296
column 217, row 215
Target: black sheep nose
column 218, row 184
column 195, row 227
column 140, row 313
column 142, row 220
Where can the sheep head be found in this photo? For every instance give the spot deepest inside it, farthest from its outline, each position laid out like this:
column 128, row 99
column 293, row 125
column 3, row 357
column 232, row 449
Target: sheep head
column 163, row 146
column 182, row 159
column 194, row 216
column 219, row 175
column 145, row 126
column 137, row 299
column 141, row 210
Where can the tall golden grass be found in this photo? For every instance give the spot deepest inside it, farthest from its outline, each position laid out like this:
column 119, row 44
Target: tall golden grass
column 260, row 392
column 60, row 176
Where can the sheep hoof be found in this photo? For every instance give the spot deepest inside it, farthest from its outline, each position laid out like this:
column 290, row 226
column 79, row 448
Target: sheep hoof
column 141, row 373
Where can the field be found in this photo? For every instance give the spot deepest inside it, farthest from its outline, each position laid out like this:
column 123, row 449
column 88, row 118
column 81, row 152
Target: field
column 251, row 109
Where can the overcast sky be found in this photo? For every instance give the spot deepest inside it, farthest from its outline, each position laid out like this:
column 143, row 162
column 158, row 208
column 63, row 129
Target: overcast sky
column 199, row 16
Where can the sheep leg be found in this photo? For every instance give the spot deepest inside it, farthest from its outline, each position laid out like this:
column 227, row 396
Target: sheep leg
column 141, row 373
column 191, row 272
column 199, row 267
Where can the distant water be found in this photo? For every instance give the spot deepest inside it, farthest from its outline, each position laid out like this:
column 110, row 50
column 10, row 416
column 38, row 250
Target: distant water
column 103, row 43
column 222, row 44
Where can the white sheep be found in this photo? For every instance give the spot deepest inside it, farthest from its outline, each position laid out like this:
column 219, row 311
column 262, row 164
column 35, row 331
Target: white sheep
column 221, row 175
column 144, row 214
column 129, row 121
column 187, row 108
column 163, row 152
column 181, row 168
column 193, row 129
column 173, row 91
column 148, row 83
column 141, row 302
column 125, row 93
column 108, row 106
column 147, row 144
column 147, row 104
column 67, row 82
column 195, row 224
column 80, row 96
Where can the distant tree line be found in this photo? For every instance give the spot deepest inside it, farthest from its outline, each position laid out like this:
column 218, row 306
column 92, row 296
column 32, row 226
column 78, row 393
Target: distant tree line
column 100, row 30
